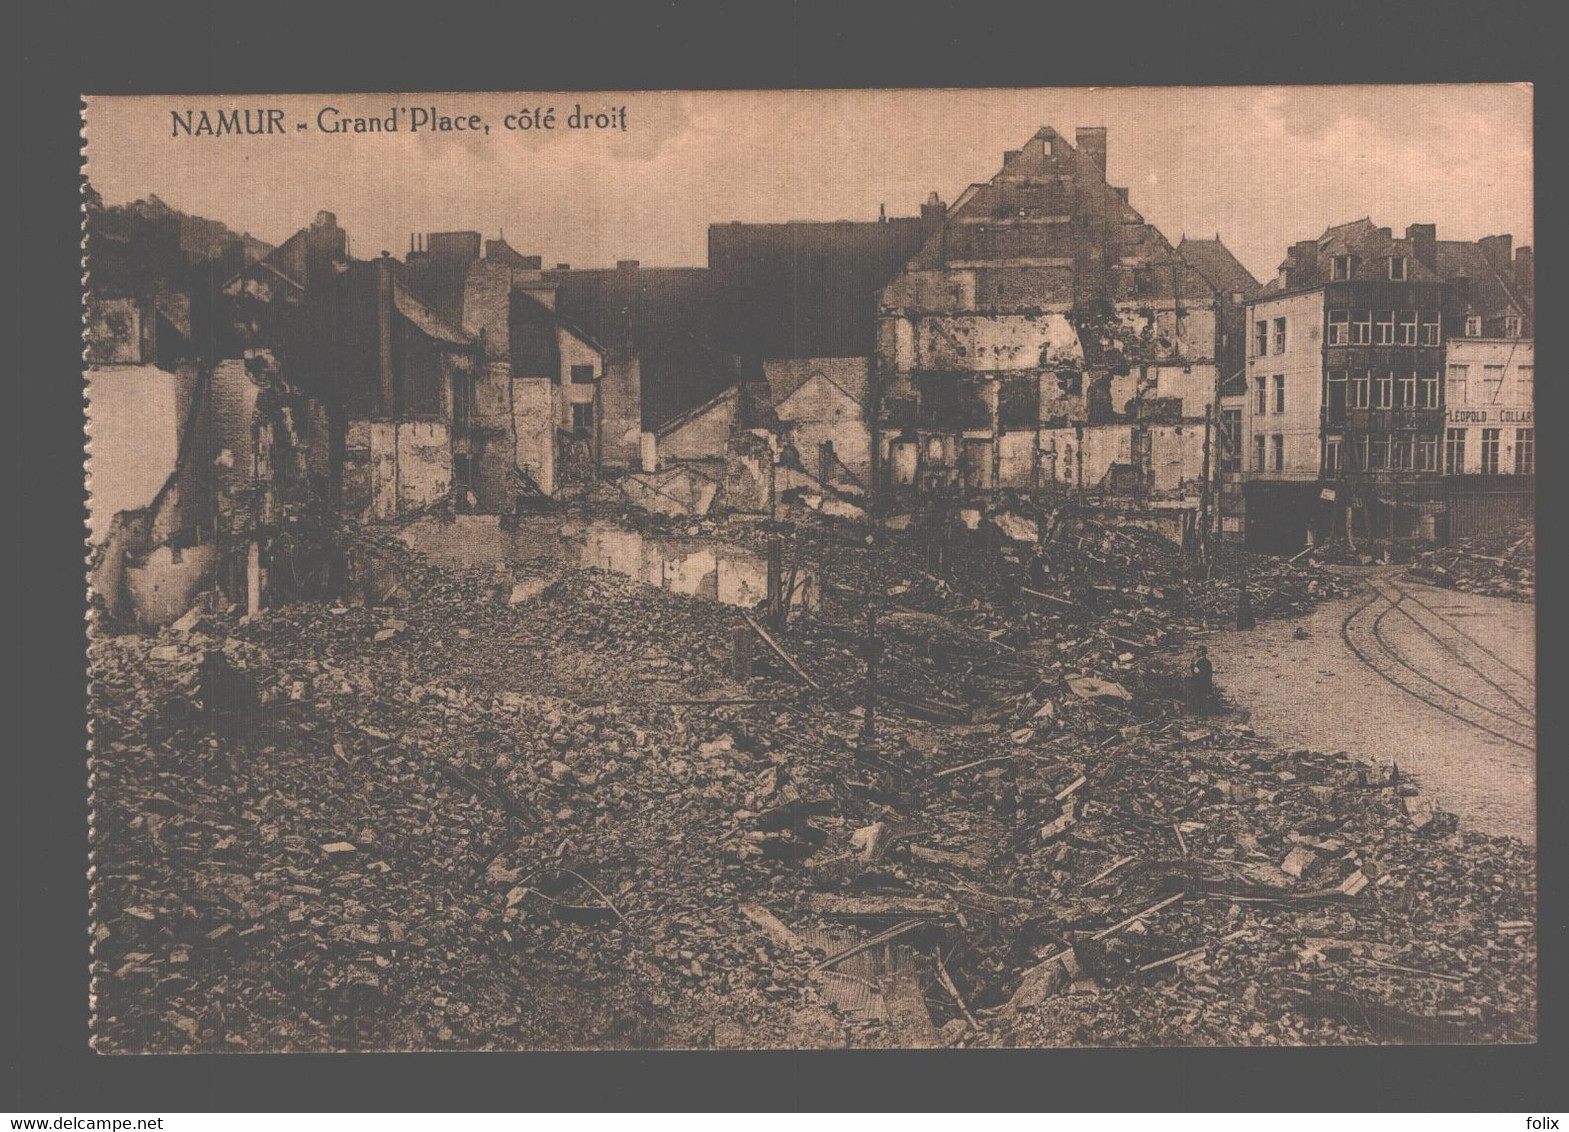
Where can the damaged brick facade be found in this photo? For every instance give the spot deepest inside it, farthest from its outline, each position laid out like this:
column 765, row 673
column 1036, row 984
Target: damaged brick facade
column 1047, row 335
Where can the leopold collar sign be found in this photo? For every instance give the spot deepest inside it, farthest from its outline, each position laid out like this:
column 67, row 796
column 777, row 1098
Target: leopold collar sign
column 1492, row 414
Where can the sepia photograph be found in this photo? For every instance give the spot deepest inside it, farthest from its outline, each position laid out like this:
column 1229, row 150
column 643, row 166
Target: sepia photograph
column 811, row 570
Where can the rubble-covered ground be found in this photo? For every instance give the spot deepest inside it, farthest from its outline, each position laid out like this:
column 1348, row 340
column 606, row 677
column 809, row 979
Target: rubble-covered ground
column 1499, row 565
column 544, row 808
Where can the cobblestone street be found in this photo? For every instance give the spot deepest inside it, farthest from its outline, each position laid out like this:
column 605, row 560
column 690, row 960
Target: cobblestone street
column 1440, row 682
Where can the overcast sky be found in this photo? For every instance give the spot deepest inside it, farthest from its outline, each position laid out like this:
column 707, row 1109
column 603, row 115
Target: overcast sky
column 1261, row 167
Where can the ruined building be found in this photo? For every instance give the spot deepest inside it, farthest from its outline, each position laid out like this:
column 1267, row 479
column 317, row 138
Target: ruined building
column 1046, row 337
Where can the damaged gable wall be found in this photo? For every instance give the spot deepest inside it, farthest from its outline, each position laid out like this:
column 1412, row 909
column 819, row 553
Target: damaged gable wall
column 825, row 406
column 1044, row 302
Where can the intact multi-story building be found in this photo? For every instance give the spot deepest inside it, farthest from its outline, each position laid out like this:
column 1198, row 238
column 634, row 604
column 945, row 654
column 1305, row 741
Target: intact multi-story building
column 1344, row 413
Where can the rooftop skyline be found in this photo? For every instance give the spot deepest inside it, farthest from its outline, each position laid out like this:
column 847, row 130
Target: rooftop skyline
column 1260, row 167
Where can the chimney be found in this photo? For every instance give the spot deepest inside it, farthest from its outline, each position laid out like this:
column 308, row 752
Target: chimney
column 1424, row 244
column 1009, row 154
column 1301, row 263
column 325, row 244
column 1091, row 142
column 453, row 247
column 563, row 267
column 1525, row 269
column 384, row 303
column 626, row 265
column 1498, row 251
column 933, row 211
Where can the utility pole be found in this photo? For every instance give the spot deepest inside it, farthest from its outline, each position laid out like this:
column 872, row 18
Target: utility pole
column 1204, row 492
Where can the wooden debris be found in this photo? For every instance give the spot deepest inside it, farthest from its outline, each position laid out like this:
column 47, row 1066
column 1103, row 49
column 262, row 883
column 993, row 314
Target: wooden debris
column 876, row 907
column 779, row 651
column 867, row 944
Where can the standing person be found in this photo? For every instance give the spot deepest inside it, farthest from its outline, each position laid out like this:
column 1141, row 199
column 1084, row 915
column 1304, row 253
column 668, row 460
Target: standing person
column 1244, row 608
column 1201, row 683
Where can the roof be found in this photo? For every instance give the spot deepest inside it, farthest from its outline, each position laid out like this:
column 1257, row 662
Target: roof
column 428, row 321
column 729, row 392
column 1047, row 228
column 665, row 316
column 1369, row 247
column 572, row 328
column 1216, row 263
column 1492, row 294
column 786, row 376
column 806, row 289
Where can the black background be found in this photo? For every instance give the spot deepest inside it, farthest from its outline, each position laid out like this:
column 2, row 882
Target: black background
column 70, row 48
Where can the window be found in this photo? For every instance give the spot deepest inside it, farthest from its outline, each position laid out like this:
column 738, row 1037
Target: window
column 1258, row 452
column 1277, row 444
column 1427, row 453
column 1384, row 391
column 1473, row 326
column 1405, row 329
column 583, row 417
column 1492, row 384
column 1280, row 336
column 1359, row 390
column 1432, row 329
column 1280, row 393
column 1356, row 453
column 1512, row 326
column 1378, row 456
column 1336, row 401
column 1429, row 391
column 1525, row 383
column 1490, row 451
column 463, row 481
column 1405, row 390
column 583, row 375
column 1458, row 384
column 1231, row 440
column 1397, row 268
column 1339, row 328
column 1260, row 396
column 1454, row 452
column 1332, row 454
column 1361, row 327
column 1402, row 451
column 1384, row 328
column 462, row 400
column 1261, row 337
column 1525, row 451
column 1340, row 267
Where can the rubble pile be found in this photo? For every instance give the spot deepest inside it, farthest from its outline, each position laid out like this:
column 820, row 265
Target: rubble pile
column 1500, row 565
column 547, row 808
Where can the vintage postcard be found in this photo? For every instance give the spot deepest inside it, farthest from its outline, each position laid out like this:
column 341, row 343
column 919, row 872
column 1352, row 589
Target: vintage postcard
column 811, row 569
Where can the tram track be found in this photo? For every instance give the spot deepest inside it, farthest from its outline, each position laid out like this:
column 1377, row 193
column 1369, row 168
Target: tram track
column 1373, row 648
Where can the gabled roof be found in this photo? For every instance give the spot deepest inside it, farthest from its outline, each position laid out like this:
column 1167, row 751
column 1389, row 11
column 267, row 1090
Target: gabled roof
column 1369, row 247
column 431, row 324
column 728, row 393
column 787, row 376
column 1492, row 294
column 667, row 317
column 561, row 320
column 1214, row 261
column 1047, row 228
column 285, row 262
